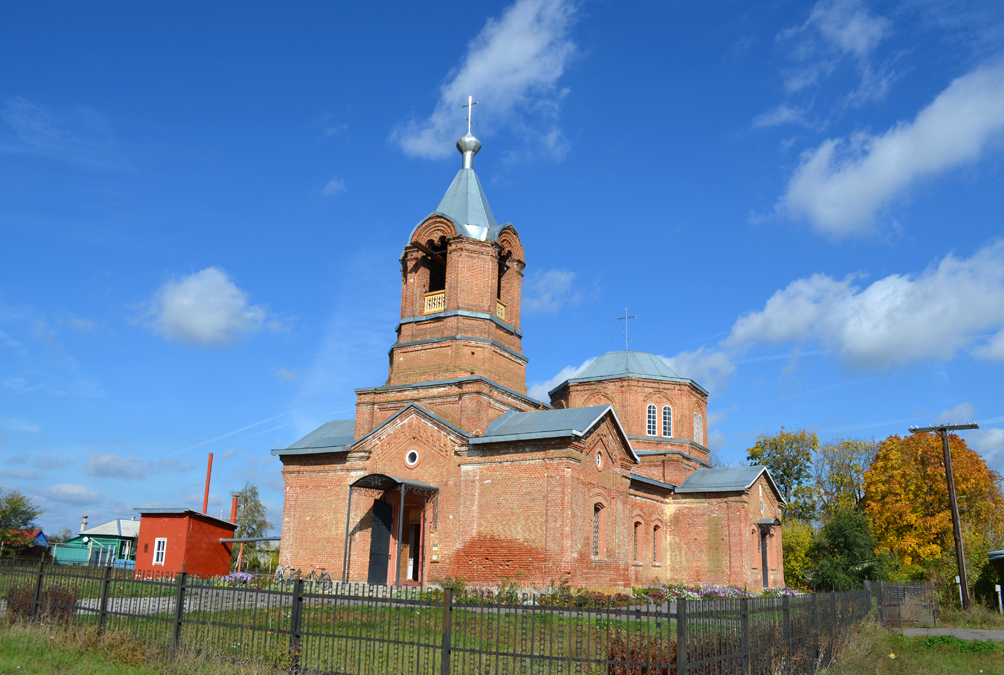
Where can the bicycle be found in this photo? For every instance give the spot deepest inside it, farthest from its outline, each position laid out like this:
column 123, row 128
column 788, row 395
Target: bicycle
column 321, row 578
column 285, row 573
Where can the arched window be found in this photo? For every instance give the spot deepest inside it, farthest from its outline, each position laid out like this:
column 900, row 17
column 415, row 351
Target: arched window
column 667, row 421
column 655, row 544
column 597, row 516
column 637, row 534
column 436, row 255
column 650, row 421
column 698, row 429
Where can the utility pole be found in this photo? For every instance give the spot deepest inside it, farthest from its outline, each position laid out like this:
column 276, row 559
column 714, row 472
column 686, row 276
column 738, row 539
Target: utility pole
column 960, row 555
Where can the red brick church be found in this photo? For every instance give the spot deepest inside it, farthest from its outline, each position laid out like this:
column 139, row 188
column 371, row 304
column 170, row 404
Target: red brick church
column 451, row 469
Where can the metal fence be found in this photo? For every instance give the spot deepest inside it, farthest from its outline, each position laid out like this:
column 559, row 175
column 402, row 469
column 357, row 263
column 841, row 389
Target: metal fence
column 900, row 604
column 359, row 629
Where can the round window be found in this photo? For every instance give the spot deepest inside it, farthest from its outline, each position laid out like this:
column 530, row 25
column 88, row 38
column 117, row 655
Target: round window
column 411, row 459
column 599, row 460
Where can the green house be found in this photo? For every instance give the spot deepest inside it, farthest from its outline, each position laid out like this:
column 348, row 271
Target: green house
column 111, row 543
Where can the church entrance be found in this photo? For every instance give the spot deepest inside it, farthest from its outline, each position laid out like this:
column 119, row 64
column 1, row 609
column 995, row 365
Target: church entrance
column 383, row 515
column 397, row 529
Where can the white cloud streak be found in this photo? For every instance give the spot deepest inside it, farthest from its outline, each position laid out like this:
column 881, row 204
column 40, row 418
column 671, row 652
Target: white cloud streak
column 512, row 67
column 708, row 367
column 840, row 186
column 14, row 424
column 894, row 321
column 333, row 188
column 538, row 390
column 964, row 412
column 204, row 308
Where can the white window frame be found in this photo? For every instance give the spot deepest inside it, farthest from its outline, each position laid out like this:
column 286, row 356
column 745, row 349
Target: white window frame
column 159, row 548
column 650, row 421
column 667, row 433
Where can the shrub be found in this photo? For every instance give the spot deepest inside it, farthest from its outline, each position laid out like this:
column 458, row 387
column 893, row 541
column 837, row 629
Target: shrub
column 641, row 655
column 57, row 603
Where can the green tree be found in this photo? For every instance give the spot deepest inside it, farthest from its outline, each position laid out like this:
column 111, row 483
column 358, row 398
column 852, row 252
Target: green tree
column 845, row 553
column 17, row 511
column 798, row 540
column 788, row 457
column 840, row 470
column 252, row 518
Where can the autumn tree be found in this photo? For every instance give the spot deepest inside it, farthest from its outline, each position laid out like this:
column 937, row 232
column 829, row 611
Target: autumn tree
column 906, row 501
column 788, row 457
column 839, row 475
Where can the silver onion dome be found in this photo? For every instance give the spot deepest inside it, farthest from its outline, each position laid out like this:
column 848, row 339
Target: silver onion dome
column 468, row 147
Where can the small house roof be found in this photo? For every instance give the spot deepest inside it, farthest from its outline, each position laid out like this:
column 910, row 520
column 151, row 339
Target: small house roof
column 731, row 479
column 120, row 527
column 181, row 511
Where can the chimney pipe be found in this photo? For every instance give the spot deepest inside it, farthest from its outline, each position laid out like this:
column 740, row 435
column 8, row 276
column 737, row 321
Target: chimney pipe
column 209, row 473
column 233, row 510
column 83, row 523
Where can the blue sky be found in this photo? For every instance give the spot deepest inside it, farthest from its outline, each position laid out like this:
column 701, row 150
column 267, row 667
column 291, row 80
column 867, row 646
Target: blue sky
column 202, row 209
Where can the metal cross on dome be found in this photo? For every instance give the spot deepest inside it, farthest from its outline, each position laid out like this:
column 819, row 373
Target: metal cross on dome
column 470, row 104
column 625, row 319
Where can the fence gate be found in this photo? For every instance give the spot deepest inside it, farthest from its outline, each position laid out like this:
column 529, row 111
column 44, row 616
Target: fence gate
column 900, row 604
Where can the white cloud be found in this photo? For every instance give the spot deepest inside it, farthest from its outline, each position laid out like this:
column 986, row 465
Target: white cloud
column 335, row 186
column 549, row 290
column 964, row 412
column 286, row 375
column 78, row 494
column 849, row 26
column 204, row 308
column 539, row 390
column 993, row 350
column 512, row 67
column 782, row 114
column 115, row 466
column 841, row 185
column 23, row 474
column 13, row 424
column 709, row 368
column 990, row 444
column 896, row 320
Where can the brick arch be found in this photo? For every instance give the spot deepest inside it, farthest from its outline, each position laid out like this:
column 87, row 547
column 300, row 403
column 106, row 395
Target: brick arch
column 508, row 240
column 598, row 398
column 434, row 228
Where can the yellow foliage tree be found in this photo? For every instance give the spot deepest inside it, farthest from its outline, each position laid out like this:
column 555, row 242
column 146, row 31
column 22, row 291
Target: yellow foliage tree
column 906, row 499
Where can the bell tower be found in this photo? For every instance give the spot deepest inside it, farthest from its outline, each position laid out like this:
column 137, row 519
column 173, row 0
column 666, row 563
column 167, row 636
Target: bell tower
column 459, row 345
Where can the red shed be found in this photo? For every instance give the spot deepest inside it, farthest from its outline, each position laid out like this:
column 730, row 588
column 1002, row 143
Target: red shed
column 172, row 538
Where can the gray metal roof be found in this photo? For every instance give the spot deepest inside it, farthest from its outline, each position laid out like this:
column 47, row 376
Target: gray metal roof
column 424, row 411
column 467, row 206
column 731, row 479
column 627, row 363
column 334, row 436
column 651, row 481
column 380, row 481
column 540, row 424
column 127, row 529
column 996, row 555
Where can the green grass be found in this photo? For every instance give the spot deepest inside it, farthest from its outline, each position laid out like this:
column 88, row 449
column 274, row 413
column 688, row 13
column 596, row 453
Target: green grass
column 41, row 650
column 874, row 651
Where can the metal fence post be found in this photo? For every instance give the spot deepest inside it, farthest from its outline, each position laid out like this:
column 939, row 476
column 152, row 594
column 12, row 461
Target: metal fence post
column 681, row 636
column 744, row 610
column 836, row 614
column 868, row 594
column 179, row 606
column 444, row 667
column 105, row 586
column 295, row 616
column 37, row 603
column 786, row 614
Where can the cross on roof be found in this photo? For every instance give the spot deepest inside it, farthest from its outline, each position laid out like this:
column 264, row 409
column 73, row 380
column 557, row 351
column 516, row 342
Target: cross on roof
column 625, row 319
column 470, row 104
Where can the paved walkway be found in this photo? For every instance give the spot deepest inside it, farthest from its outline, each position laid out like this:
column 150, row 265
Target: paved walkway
column 961, row 633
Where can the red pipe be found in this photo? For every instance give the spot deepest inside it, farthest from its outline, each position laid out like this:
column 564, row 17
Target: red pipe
column 209, row 473
column 233, row 510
